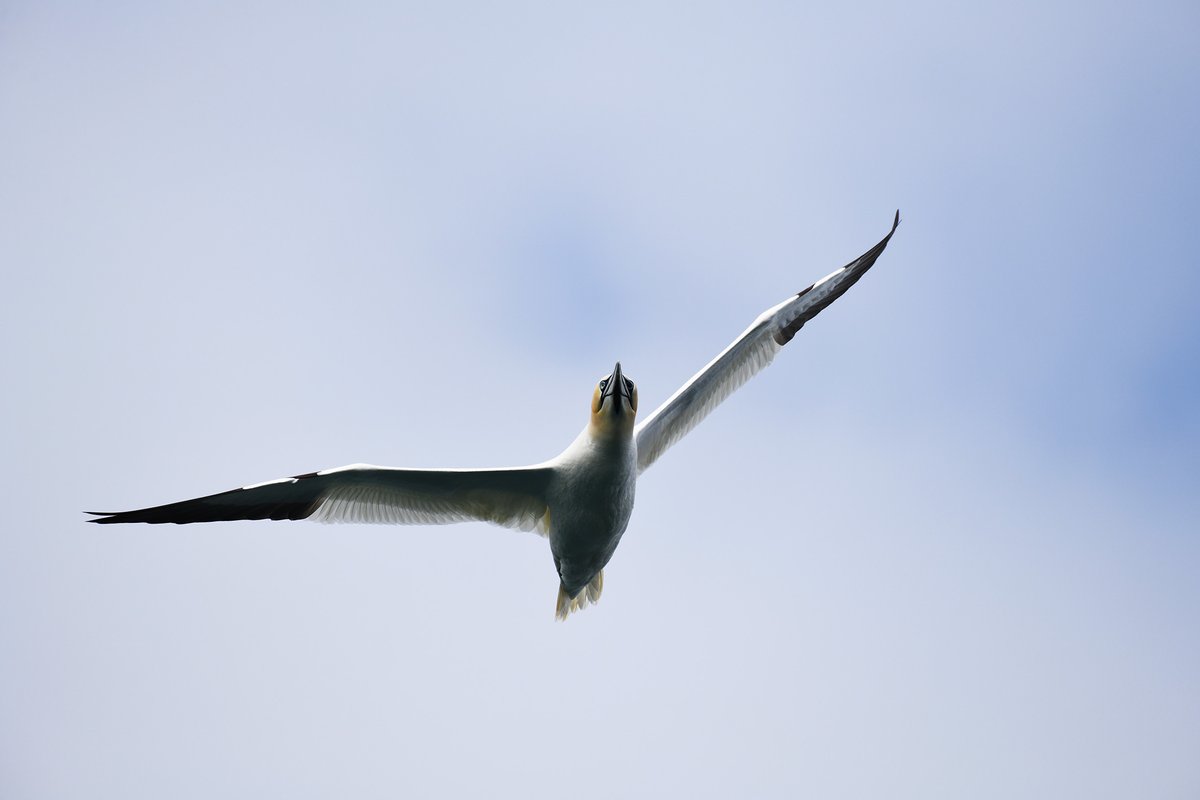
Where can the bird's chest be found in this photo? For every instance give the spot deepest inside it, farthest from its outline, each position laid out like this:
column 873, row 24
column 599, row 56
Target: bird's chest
column 593, row 506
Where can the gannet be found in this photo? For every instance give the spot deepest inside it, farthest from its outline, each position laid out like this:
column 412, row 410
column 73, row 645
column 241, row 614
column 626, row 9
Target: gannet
column 581, row 499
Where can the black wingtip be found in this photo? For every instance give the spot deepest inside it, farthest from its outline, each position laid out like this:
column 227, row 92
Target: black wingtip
column 896, row 221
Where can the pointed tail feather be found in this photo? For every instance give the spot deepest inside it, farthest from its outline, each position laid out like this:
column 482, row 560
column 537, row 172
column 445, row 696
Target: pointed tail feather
column 586, row 596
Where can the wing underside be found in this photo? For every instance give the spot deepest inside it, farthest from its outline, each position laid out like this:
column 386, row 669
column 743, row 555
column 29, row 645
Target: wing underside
column 746, row 356
column 514, row 498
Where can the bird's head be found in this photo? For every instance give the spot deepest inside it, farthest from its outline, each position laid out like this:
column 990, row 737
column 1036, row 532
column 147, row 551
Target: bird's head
column 614, row 402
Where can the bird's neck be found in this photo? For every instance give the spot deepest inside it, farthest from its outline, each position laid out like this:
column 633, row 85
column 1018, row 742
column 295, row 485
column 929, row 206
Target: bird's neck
column 600, row 443
column 611, row 430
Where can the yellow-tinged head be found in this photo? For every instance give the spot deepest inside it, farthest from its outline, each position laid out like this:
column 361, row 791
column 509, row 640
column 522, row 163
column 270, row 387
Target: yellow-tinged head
column 614, row 402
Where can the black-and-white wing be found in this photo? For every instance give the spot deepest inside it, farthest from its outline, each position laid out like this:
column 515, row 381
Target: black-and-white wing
column 515, row 498
column 748, row 354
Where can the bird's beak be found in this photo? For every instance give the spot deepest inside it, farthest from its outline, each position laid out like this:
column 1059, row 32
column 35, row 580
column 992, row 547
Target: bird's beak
column 616, row 389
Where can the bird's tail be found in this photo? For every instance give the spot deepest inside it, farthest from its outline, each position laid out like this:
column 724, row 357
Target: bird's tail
column 587, row 595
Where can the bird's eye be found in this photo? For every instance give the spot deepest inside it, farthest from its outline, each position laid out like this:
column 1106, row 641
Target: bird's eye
column 604, row 384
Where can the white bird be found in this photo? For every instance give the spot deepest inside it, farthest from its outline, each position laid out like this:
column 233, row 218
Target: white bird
column 581, row 499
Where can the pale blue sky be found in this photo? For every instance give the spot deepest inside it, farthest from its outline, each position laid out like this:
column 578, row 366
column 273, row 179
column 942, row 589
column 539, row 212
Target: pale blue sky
column 946, row 546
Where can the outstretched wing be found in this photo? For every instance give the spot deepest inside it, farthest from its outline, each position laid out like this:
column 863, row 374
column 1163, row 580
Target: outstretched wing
column 515, row 498
column 748, row 354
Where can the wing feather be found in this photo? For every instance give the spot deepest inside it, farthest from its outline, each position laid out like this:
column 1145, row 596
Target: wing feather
column 749, row 353
column 514, row 498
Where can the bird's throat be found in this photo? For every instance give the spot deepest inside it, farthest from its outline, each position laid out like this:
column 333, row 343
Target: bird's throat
column 611, row 427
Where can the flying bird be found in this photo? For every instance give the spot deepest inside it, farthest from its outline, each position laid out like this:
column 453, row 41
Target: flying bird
column 581, row 500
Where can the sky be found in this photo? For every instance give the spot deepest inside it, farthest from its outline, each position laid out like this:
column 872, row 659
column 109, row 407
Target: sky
column 945, row 546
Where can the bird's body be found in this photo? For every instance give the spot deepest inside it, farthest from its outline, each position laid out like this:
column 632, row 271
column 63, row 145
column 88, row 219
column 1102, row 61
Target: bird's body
column 581, row 500
column 590, row 502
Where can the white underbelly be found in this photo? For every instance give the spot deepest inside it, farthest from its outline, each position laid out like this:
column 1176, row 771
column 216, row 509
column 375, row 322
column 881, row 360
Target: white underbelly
column 587, row 518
